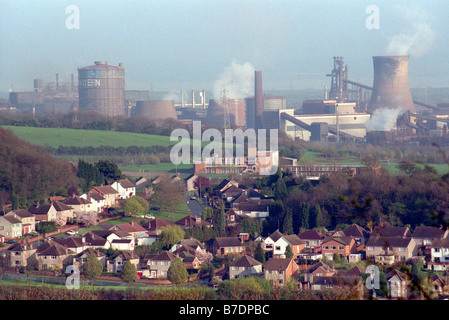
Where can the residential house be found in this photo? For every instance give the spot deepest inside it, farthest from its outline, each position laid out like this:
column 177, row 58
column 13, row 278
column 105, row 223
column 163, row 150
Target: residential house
column 440, row 285
column 232, row 218
column 439, row 255
column 403, row 232
column 139, row 234
column 351, row 286
column 80, row 258
column 115, row 263
column 80, row 204
column 10, row 227
column 388, row 250
column 231, row 193
column 27, row 219
column 21, row 255
column 224, row 185
column 125, row 188
column 319, row 269
column 98, row 239
column 398, row 284
column 109, row 194
column 51, row 212
column 279, row 271
column 190, row 260
column 123, row 244
column 52, row 256
column 313, row 240
column 359, row 234
column 158, row 265
column 258, row 209
column 76, row 245
column 97, row 201
column 424, row 236
column 190, row 182
column 156, row 225
column 276, row 243
column 245, row 267
column 192, row 221
column 141, row 183
column 43, row 212
column 222, row 246
column 344, row 246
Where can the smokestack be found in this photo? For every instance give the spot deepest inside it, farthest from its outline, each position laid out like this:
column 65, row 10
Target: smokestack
column 57, row 82
column 258, row 92
column 73, row 83
column 390, row 85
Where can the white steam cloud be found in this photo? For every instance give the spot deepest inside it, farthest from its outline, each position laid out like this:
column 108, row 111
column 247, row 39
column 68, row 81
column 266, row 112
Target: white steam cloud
column 383, row 119
column 417, row 39
column 238, row 81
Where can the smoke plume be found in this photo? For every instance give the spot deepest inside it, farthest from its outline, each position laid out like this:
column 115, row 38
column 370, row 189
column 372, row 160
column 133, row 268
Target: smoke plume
column 383, row 119
column 238, row 81
column 417, row 39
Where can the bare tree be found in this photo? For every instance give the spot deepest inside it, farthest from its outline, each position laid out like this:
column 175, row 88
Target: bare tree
column 169, row 193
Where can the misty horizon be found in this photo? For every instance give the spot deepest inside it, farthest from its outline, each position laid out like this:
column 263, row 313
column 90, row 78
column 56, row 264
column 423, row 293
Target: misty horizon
column 190, row 45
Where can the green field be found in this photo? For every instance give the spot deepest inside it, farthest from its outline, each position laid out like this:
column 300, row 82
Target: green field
column 55, row 137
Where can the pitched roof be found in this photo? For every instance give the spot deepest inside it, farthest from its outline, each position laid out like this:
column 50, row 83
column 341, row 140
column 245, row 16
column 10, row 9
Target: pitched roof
column 76, row 200
column 440, row 243
column 320, row 264
column 276, row 235
column 70, row 242
column 156, row 224
column 356, row 231
column 344, row 240
column 278, row 264
column 294, row 240
column 311, row 235
column 396, row 242
column 164, row 256
column 123, row 254
column 54, row 249
column 125, row 183
column 104, row 190
column 11, row 219
column 254, row 205
column 20, row 247
column 428, row 232
column 401, row 275
column 90, row 251
column 59, row 206
column 355, row 271
column 22, row 213
column 245, row 261
column 228, row 242
column 192, row 220
column 131, row 227
column 392, row 232
column 39, row 208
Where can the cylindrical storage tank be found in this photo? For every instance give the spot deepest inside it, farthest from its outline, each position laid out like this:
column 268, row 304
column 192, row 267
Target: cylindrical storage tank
column 390, row 85
column 237, row 112
column 156, row 109
column 101, row 88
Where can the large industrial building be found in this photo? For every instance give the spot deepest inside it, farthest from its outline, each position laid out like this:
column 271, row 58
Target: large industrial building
column 101, row 89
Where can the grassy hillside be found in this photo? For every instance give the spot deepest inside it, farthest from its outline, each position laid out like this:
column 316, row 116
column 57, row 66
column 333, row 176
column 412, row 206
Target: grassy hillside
column 55, row 137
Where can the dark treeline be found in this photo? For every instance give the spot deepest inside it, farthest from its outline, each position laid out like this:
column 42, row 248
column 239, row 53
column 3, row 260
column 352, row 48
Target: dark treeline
column 107, row 150
column 29, row 173
column 92, row 121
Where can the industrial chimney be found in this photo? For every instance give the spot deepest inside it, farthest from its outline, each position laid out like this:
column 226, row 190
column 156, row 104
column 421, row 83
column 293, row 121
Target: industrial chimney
column 390, row 85
column 258, row 93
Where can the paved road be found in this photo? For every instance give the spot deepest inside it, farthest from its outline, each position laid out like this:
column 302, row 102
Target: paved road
column 194, row 207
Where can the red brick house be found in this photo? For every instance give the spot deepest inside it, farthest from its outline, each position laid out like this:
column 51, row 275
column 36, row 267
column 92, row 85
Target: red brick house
column 279, row 271
column 223, row 246
column 341, row 245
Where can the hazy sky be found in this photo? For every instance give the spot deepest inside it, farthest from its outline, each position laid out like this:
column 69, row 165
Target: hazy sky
column 168, row 44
